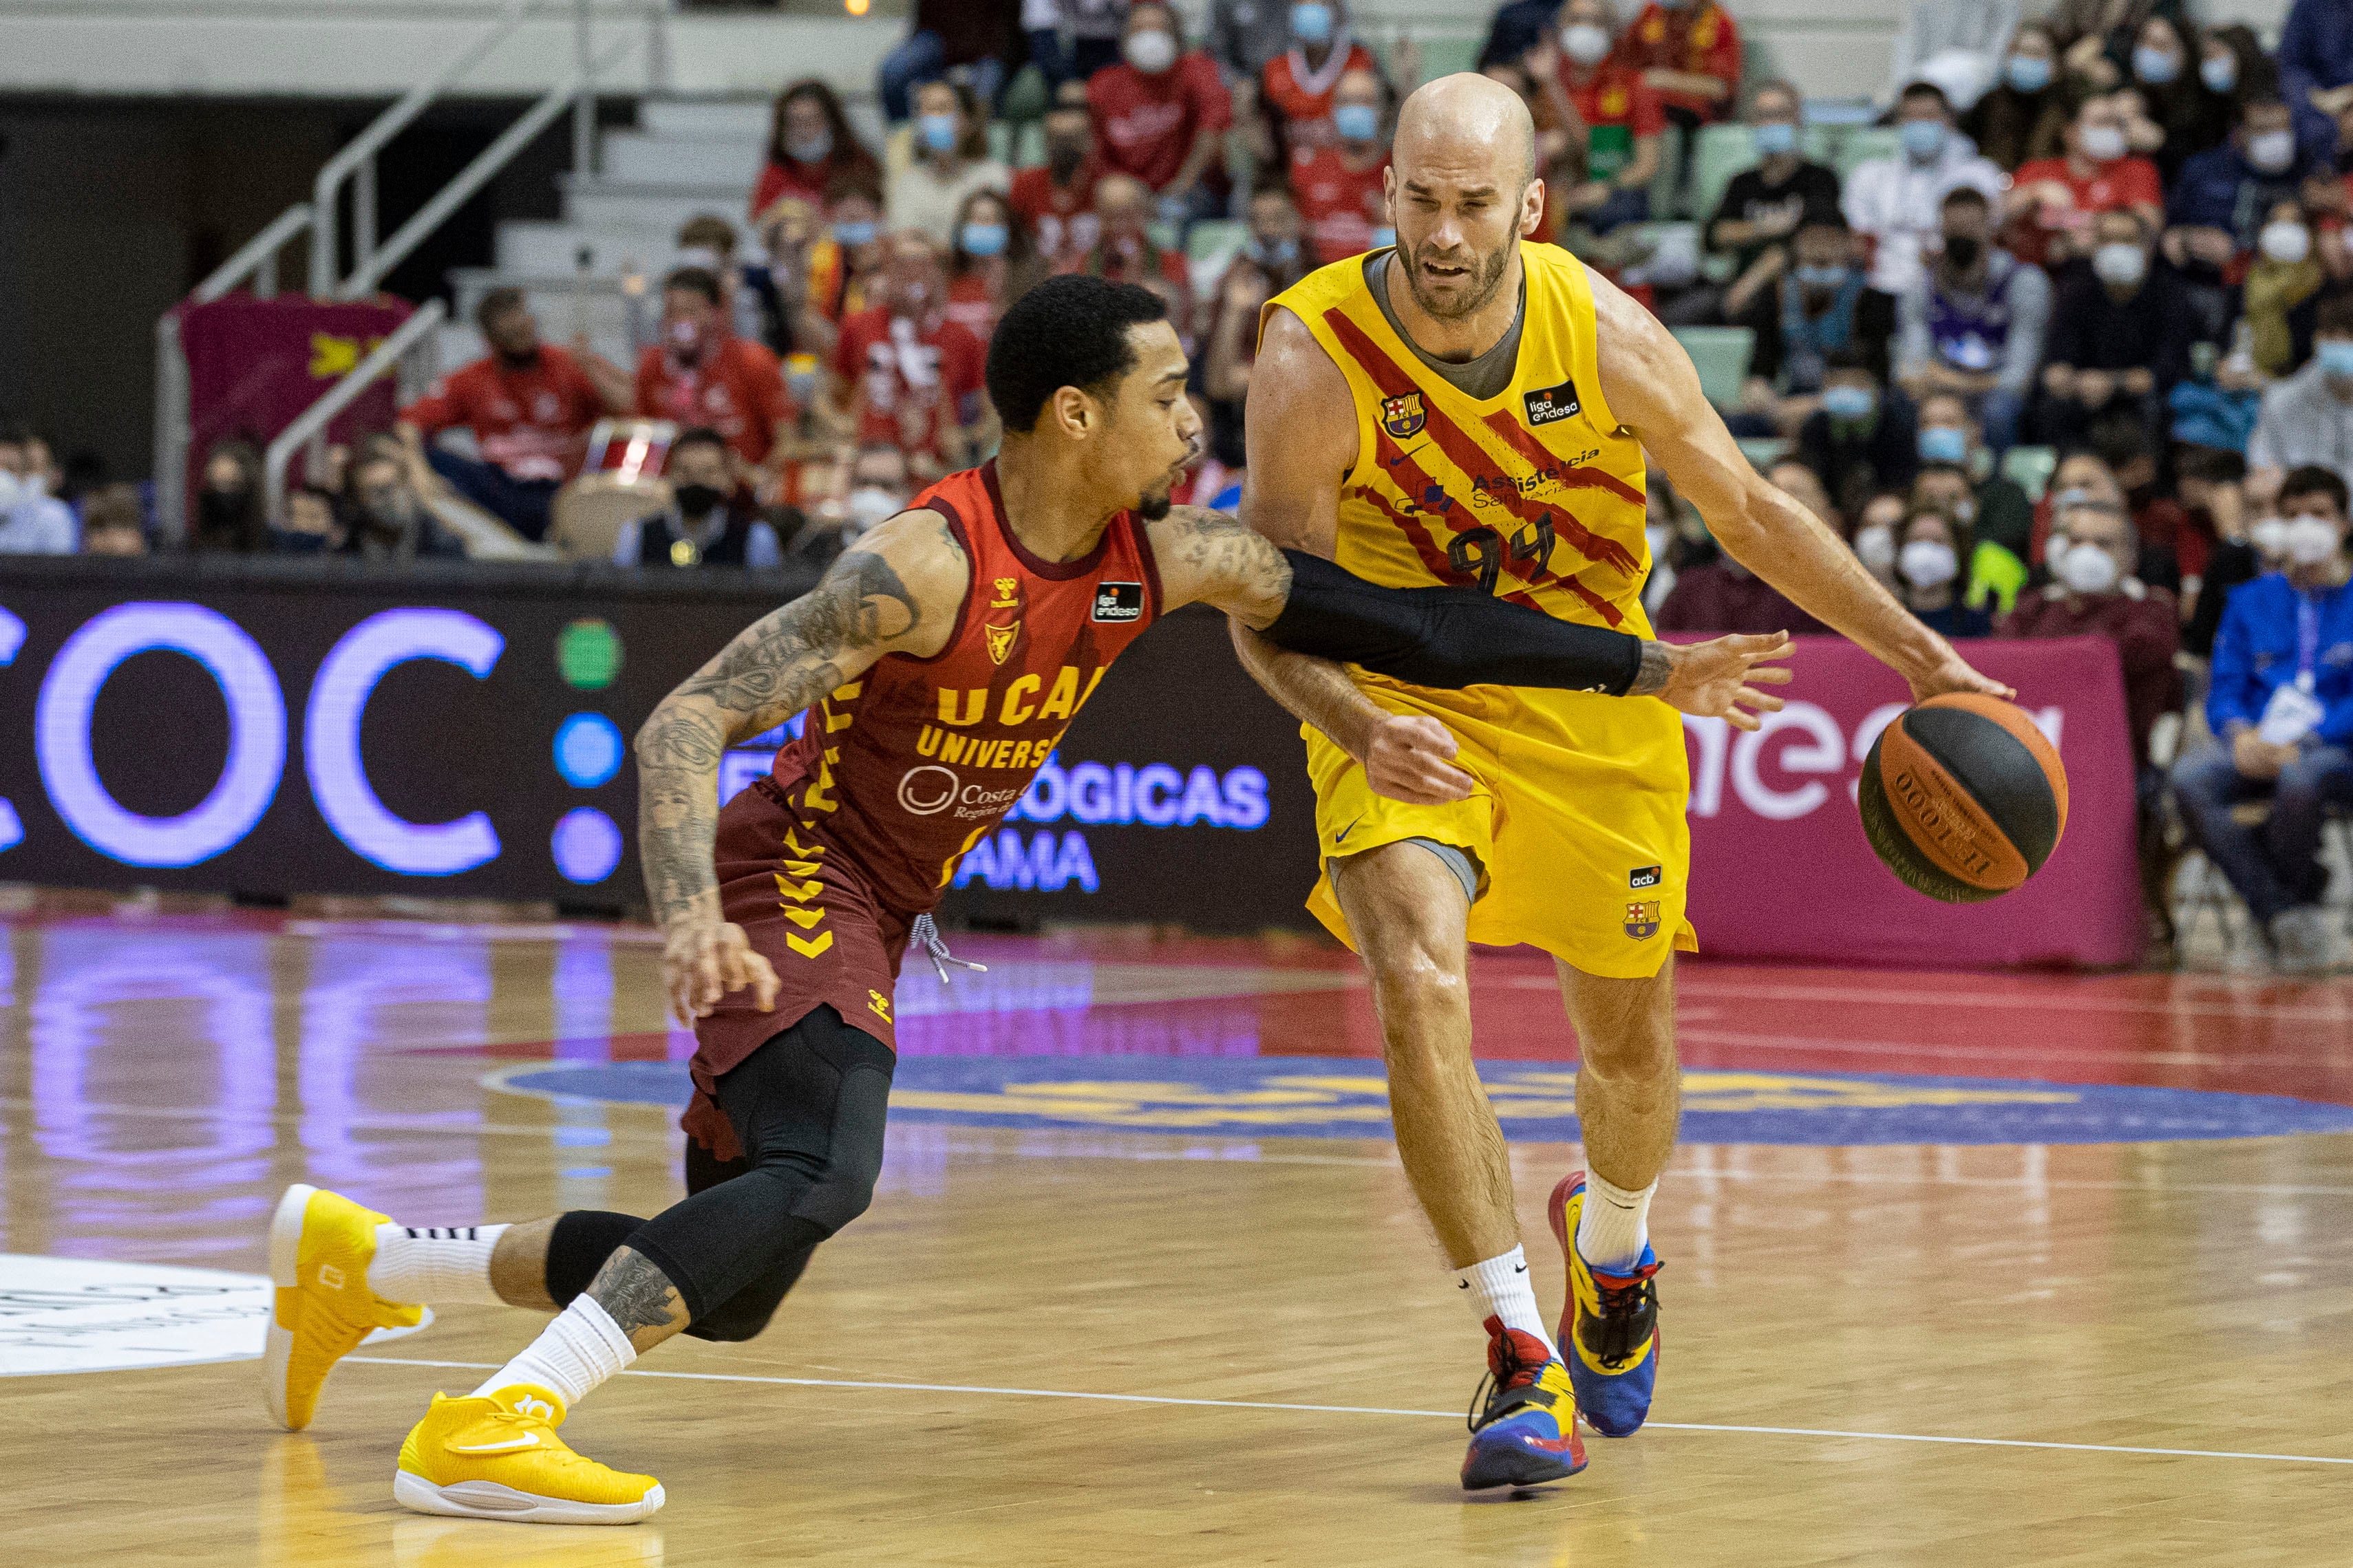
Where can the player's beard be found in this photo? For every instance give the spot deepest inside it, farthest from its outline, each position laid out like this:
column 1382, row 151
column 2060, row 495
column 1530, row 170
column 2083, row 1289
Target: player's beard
column 1486, row 280
column 1155, row 505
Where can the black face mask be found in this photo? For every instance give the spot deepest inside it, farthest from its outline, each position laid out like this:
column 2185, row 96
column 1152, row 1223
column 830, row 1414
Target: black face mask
column 1962, row 250
column 1064, row 158
column 698, row 500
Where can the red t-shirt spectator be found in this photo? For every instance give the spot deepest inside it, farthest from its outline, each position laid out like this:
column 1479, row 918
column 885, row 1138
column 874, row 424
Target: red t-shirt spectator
column 902, row 374
column 529, row 421
column 1145, row 125
column 1061, row 217
column 738, row 390
column 2127, row 182
column 791, row 177
column 970, row 307
column 1705, row 43
column 1617, row 97
column 1340, row 206
column 1303, row 96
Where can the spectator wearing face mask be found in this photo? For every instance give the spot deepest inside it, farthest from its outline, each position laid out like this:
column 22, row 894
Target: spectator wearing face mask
column 2120, row 335
column 2021, row 118
column 1056, row 200
column 2280, row 702
column 1766, row 205
column 2281, row 291
column 1992, row 574
column 950, row 162
column 1612, row 117
column 529, row 406
column 32, row 521
column 1873, row 536
column 1160, row 114
column 227, row 514
column 842, row 263
column 1864, row 437
column 1898, row 200
column 750, row 301
column 113, row 523
column 2307, row 419
column 1688, row 52
column 390, row 520
column 905, row 374
column 1296, row 87
column 313, row 525
column 2002, row 512
column 810, row 145
column 1276, row 235
column 704, row 525
column 1123, row 251
column 978, row 39
column 1821, row 306
column 1931, row 549
column 2219, row 201
column 701, row 375
column 1976, row 323
column 1244, row 35
column 1340, row 187
column 2093, row 592
column 880, row 486
column 993, row 264
column 2051, row 206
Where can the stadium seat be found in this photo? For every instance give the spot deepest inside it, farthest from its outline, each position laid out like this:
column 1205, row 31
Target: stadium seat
column 1861, row 143
column 2030, row 468
column 1720, row 355
column 1762, row 451
column 1724, row 151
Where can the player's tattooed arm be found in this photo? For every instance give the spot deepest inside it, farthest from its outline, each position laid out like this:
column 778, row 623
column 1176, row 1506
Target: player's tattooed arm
column 897, row 592
column 639, row 1299
column 1208, row 557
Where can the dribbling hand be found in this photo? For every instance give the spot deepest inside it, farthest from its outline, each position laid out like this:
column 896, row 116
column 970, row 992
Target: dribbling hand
column 1955, row 675
column 703, row 960
column 1410, row 758
column 1719, row 679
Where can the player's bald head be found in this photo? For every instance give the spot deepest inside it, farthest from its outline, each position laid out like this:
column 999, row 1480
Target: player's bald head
column 1467, row 121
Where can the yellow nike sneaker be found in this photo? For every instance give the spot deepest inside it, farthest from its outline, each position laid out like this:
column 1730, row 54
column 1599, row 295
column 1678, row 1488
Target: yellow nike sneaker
column 497, row 1455
column 319, row 1248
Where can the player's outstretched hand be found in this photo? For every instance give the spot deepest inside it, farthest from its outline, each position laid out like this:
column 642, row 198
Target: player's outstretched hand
column 1719, row 679
column 704, row 959
column 1955, row 675
column 1411, row 759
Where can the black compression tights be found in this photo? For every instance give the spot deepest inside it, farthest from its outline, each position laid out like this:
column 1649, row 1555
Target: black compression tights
column 807, row 1108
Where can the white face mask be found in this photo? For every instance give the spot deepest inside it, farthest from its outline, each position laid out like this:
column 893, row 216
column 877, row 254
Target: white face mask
column 872, row 504
column 2102, row 143
column 2286, row 242
column 2271, row 152
column 2120, row 264
column 1926, row 564
column 2311, row 541
column 1585, row 43
column 2269, row 535
column 12, row 490
column 2087, row 569
column 1152, row 51
column 1874, row 546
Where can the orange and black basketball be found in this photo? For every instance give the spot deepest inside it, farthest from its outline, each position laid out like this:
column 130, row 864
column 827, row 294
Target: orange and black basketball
column 1963, row 798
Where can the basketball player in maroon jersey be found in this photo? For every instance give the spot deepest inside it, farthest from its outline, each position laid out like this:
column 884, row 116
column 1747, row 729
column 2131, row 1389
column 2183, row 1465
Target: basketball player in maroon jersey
column 939, row 662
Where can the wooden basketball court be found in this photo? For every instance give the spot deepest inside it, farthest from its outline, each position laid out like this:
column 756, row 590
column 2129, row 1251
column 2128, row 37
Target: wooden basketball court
column 1144, row 1283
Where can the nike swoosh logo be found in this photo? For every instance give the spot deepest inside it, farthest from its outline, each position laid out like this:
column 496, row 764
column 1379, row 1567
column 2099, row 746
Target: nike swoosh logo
column 505, row 1446
column 1519, row 1268
column 1342, row 836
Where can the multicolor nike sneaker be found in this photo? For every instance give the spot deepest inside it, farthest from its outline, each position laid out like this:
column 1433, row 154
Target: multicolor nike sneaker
column 496, row 1456
column 1609, row 1327
column 319, row 1248
column 1526, row 1435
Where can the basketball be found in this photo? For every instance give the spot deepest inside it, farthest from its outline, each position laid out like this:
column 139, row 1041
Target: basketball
column 1963, row 798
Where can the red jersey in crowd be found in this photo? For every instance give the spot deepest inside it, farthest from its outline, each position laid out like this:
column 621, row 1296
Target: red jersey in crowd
column 1062, row 217
column 1339, row 207
column 1145, row 125
column 791, row 177
column 1618, row 110
column 1302, row 95
column 1699, row 40
column 2127, row 182
column 528, row 421
column 909, row 379
column 970, row 307
column 737, row 389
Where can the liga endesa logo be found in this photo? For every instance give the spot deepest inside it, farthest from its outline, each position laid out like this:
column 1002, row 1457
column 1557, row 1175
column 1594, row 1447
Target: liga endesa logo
column 1804, row 741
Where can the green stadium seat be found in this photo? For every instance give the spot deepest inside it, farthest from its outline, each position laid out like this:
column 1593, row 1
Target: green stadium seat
column 2030, row 469
column 1213, row 242
column 1664, row 191
column 1441, row 55
column 1762, row 451
column 1724, row 151
column 1720, row 355
column 1861, row 143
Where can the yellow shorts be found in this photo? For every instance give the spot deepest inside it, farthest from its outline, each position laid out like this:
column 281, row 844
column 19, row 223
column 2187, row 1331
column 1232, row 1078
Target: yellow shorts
column 1576, row 820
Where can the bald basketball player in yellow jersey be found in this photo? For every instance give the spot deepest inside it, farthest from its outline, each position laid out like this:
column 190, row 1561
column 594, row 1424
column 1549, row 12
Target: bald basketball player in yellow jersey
column 1472, row 407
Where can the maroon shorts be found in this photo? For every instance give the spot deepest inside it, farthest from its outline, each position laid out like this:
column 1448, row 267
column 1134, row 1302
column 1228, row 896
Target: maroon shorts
column 809, row 913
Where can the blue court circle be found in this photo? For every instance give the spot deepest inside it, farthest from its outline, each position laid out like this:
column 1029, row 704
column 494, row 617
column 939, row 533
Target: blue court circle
column 1323, row 1097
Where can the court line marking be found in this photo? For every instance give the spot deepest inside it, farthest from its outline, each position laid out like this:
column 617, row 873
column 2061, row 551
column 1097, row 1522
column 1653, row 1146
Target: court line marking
column 1383, row 1410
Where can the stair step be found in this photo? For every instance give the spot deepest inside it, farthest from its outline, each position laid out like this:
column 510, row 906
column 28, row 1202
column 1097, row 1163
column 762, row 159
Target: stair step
column 744, row 121
column 639, row 158
column 662, row 205
column 551, row 250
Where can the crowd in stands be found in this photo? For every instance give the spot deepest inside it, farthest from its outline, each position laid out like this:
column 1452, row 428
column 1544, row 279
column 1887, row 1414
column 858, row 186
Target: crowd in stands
column 2059, row 336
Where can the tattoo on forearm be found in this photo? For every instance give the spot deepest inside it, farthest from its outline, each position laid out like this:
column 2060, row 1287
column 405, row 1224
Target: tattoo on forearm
column 636, row 1294
column 775, row 668
column 1657, row 665
column 1232, row 567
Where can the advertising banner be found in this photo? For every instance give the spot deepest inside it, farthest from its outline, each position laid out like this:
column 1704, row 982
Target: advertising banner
column 255, row 364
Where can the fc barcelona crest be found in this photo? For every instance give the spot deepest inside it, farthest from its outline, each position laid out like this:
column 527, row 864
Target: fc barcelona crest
column 1642, row 919
column 1403, row 417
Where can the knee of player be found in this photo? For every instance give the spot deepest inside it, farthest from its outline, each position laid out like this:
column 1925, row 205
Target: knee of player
column 1416, row 986
column 730, row 1330
column 1643, row 1054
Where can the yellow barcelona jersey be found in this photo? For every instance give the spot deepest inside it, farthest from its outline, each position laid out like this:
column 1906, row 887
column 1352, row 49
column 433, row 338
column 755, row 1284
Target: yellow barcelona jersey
column 1535, row 495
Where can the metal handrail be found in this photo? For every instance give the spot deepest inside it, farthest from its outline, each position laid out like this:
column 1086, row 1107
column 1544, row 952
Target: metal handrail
column 382, row 128
column 313, row 420
column 484, row 167
column 258, row 256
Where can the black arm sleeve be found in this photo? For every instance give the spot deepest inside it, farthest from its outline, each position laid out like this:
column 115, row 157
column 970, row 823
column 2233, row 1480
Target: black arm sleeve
column 1445, row 638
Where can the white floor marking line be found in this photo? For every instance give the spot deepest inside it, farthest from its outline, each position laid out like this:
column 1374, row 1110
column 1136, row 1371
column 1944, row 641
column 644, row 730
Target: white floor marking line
column 1379, row 1410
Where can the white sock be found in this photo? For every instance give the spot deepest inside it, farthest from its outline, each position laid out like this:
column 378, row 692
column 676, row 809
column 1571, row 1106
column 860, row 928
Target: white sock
column 1500, row 1288
column 1615, row 1225
column 438, row 1262
column 580, row 1348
